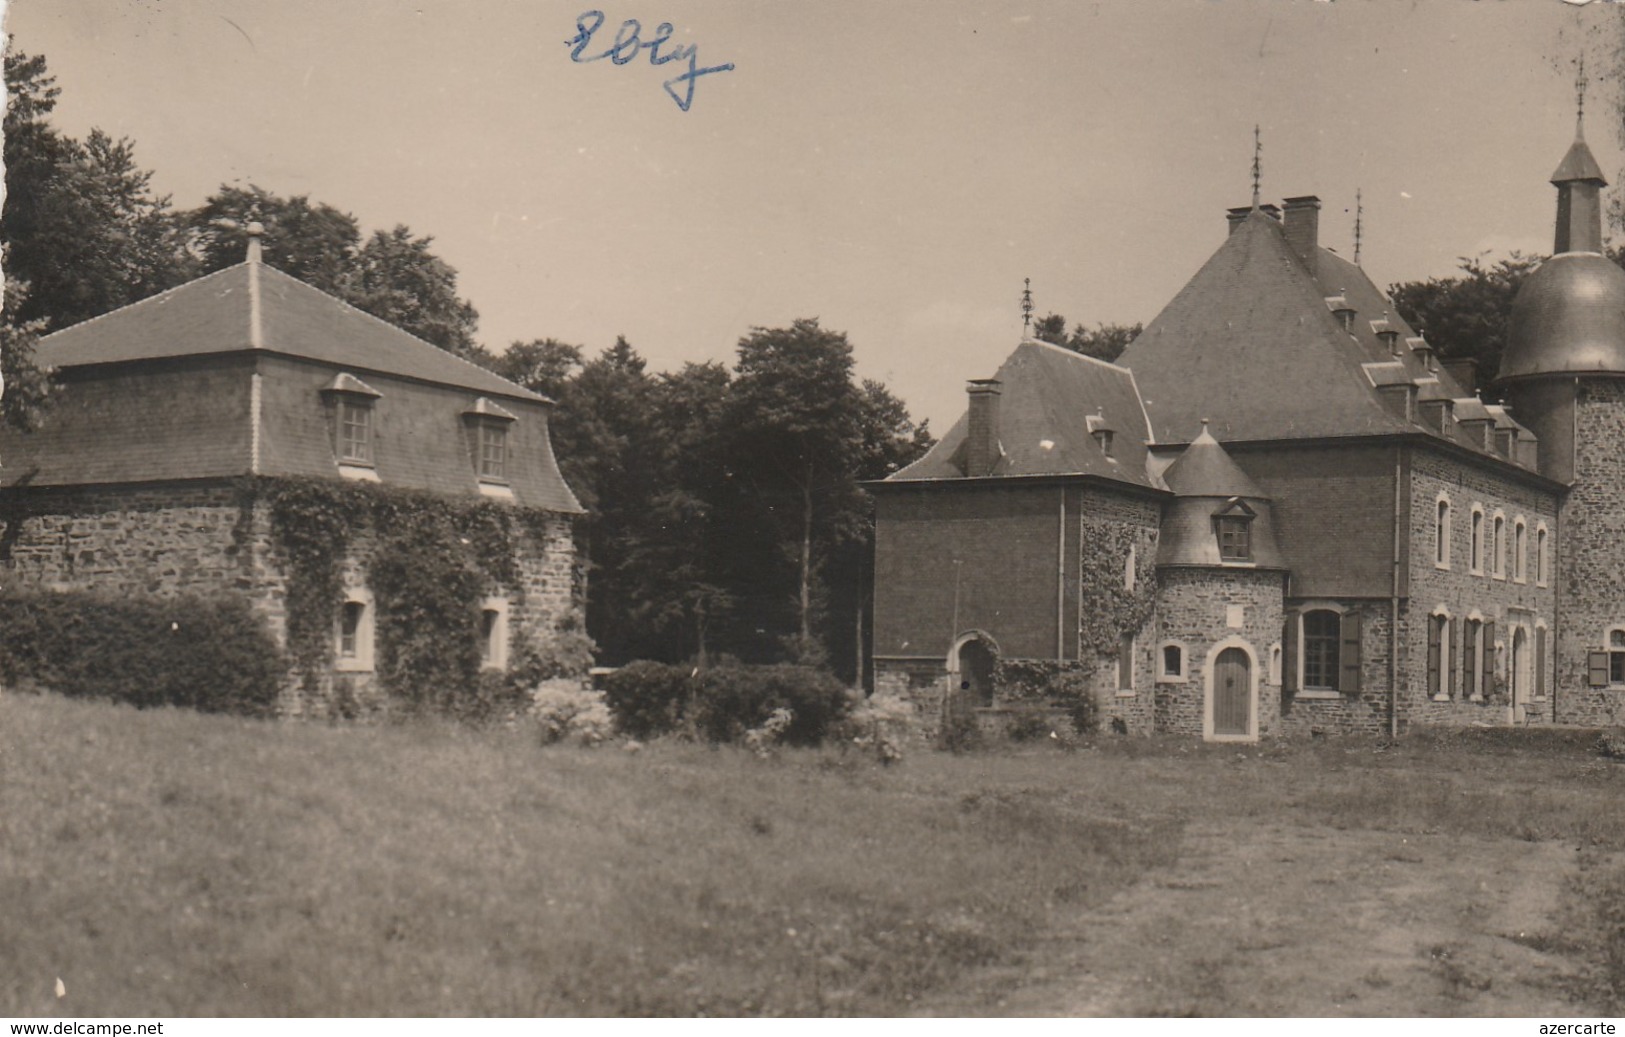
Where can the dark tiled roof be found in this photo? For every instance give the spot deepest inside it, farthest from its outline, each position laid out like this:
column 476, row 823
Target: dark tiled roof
column 1205, row 469
column 1048, row 394
column 1578, row 164
column 214, row 314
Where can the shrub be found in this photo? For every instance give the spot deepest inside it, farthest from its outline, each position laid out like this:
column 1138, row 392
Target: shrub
column 960, row 730
column 648, row 698
column 761, row 740
column 563, row 709
column 1029, row 726
column 1073, row 692
column 883, row 724
column 732, row 699
column 208, row 654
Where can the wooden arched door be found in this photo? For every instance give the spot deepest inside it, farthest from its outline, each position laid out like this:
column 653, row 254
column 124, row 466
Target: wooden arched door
column 1233, row 693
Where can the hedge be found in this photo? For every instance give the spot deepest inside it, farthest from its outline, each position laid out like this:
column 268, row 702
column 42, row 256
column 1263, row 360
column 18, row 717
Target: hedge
column 722, row 703
column 210, row 654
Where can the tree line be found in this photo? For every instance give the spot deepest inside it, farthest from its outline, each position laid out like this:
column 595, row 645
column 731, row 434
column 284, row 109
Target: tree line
column 725, row 510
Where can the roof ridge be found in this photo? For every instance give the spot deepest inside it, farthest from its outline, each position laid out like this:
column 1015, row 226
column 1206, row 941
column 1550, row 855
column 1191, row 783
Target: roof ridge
column 402, row 331
column 141, row 302
column 1064, row 351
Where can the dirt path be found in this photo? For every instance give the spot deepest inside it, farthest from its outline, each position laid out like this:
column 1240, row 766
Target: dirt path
column 1294, row 921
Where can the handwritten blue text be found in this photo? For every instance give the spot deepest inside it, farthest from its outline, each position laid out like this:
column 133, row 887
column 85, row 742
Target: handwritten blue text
column 628, row 43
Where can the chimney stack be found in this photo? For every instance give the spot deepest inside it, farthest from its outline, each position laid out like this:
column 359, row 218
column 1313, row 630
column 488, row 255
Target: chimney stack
column 1235, row 216
column 982, row 441
column 1464, row 369
column 254, row 230
column 1303, row 225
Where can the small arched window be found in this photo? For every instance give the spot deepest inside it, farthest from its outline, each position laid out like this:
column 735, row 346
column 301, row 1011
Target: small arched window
column 1171, row 662
column 1498, row 547
column 1520, row 562
column 1541, row 573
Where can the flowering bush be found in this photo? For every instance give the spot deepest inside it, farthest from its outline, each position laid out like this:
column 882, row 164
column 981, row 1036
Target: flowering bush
column 883, row 724
column 563, row 709
column 761, row 740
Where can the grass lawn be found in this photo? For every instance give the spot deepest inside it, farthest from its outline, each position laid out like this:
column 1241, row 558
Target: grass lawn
column 166, row 863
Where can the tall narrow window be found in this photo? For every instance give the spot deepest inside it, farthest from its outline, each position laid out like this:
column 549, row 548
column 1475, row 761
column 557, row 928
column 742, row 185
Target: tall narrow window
column 1497, row 560
column 1541, row 575
column 1441, row 536
column 1471, row 647
column 493, row 451
column 352, row 640
column 350, row 629
column 1438, row 647
column 1616, row 657
column 355, row 431
column 1477, row 556
column 1125, row 665
column 493, row 633
column 1520, row 564
column 1322, row 636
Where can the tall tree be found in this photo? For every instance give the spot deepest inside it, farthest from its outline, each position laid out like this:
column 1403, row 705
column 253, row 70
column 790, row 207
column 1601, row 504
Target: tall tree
column 1103, row 341
column 24, row 386
column 794, row 421
column 81, row 225
column 396, row 278
column 1466, row 315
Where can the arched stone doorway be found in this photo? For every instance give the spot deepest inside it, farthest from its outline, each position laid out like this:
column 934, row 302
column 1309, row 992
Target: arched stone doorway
column 976, row 659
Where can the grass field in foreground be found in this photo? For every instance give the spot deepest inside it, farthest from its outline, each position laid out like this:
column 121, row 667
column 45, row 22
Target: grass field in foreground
column 165, row 863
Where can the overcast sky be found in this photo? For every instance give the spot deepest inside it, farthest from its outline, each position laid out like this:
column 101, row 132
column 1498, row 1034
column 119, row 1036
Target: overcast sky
column 893, row 168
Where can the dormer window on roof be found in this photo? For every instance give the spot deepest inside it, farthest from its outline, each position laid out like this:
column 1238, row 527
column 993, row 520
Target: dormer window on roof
column 488, row 425
column 1233, row 525
column 1101, row 431
column 350, row 403
column 1339, row 305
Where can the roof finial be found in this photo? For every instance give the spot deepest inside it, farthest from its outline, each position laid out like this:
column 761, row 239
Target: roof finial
column 1026, row 307
column 1258, row 164
column 1580, row 84
column 1359, row 224
column 254, row 230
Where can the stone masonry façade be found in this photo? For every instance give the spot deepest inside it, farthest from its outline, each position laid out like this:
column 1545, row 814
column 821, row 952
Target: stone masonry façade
column 208, row 537
column 1203, row 610
column 1591, row 561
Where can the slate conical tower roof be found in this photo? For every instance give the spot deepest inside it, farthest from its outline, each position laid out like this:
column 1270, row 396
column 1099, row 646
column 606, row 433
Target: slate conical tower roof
column 1209, row 485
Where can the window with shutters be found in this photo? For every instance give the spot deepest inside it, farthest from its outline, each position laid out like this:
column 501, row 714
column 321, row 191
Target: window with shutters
column 1540, row 662
column 1438, row 652
column 1322, row 644
column 1476, row 555
column 1452, row 674
column 1471, row 648
column 1441, row 534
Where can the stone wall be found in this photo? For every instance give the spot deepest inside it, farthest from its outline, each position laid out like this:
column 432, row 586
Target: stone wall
column 208, row 538
column 1591, row 559
column 1365, row 711
column 1200, row 609
column 1510, row 599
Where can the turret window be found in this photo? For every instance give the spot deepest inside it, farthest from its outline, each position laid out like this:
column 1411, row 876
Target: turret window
column 1233, row 527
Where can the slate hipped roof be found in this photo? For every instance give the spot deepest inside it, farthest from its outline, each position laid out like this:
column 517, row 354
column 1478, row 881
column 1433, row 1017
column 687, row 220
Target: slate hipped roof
column 1048, row 396
column 216, row 314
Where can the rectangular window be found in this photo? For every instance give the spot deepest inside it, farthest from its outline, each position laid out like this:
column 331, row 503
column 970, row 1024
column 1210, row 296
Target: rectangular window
column 355, row 432
column 1616, row 657
column 493, row 451
column 1436, row 649
column 1235, row 540
column 1322, row 637
column 1469, row 658
column 350, row 629
column 1125, row 665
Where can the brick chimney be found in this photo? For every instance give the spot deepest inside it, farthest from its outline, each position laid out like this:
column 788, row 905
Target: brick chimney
column 1464, row 369
column 982, row 440
column 1303, row 225
column 1235, row 216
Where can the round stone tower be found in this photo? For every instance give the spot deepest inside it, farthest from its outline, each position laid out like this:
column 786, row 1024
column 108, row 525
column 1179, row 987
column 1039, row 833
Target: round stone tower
column 1564, row 376
column 1219, row 600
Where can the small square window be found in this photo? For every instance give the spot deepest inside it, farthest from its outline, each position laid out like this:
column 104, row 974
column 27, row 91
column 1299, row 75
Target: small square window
column 1235, row 538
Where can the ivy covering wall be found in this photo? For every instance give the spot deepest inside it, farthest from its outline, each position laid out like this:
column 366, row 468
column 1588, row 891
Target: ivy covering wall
column 429, row 561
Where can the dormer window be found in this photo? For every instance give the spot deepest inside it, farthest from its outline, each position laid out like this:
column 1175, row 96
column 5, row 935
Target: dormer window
column 1232, row 525
column 351, row 403
column 488, row 425
column 1101, row 431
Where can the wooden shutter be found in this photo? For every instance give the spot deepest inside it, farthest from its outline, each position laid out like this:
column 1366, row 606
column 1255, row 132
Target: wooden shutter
column 1453, row 688
column 1486, row 671
column 1540, row 663
column 1289, row 653
column 1435, row 652
column 1597, row 669
column 1469, row 657
column 1349, row 655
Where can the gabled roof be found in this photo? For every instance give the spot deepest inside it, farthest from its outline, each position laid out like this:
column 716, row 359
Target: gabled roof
column 1047, row 400
column 217, row 314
